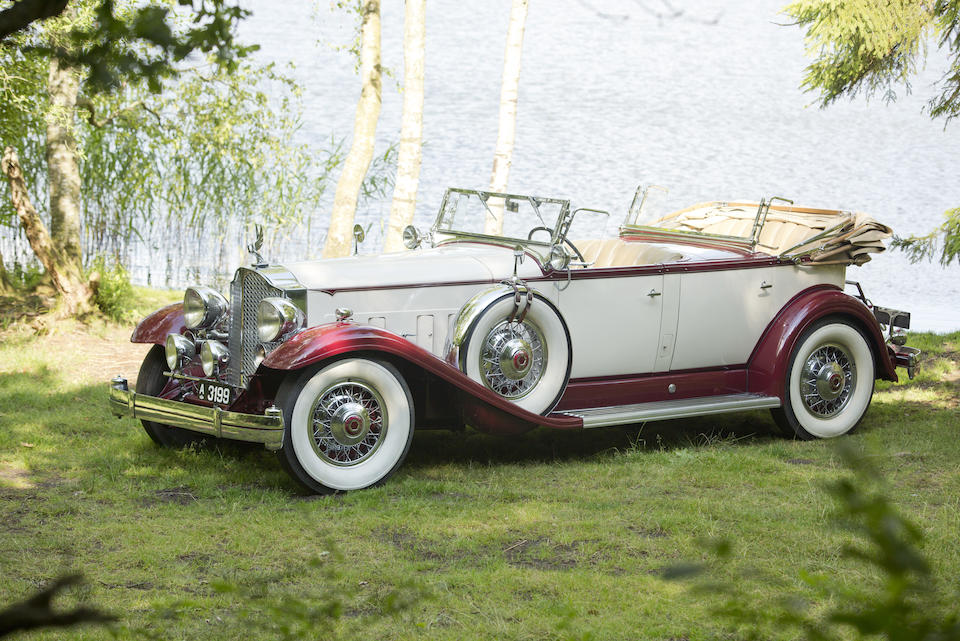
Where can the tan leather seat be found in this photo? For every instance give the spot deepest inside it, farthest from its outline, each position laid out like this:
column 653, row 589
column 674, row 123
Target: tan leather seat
column 615, row 252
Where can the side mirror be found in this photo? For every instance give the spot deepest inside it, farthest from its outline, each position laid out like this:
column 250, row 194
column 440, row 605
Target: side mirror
column 411, row 237
column 358, row 236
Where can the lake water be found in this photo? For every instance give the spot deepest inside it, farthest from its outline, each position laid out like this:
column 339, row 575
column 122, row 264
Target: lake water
column 706, row 103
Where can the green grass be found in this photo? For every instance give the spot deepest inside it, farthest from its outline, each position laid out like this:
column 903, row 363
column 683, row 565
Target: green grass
column 549, row 535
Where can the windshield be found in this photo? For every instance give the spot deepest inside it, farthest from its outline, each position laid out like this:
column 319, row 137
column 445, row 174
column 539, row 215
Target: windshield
column 508, row 216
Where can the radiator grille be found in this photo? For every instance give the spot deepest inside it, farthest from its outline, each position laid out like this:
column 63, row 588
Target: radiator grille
column 246, row 291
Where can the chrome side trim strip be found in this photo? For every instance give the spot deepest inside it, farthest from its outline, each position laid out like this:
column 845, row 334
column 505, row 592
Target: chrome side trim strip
column 681, row 408
column 252, row 428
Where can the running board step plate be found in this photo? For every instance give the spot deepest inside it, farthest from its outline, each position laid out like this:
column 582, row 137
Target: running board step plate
column 663, row 410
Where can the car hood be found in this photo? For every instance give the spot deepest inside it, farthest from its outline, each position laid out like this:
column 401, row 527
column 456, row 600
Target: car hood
column 454, row 263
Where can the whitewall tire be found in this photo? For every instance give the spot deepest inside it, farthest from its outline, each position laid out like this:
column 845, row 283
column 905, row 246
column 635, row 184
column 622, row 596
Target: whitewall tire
column 829, row 382
column 527, row 362
column 347, row 424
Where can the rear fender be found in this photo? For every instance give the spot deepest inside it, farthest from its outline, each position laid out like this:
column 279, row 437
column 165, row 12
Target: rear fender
column 480, row 406
column 155, row 327
column 767, row 367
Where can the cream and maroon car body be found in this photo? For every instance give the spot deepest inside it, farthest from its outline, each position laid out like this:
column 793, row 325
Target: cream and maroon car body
column 716, row 308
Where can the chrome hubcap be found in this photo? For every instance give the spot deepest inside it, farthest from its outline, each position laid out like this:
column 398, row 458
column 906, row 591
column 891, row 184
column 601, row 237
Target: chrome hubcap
column 512, row 358
column 516, row 359
column 827, row 381
column 349, row 423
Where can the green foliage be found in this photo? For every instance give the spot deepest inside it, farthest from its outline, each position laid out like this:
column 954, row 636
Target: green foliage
column 944, row 240
column 114, row 294
column 861, row 45
column 213, row 146
column 869, row 47
column 898, row 599
column 135, row 43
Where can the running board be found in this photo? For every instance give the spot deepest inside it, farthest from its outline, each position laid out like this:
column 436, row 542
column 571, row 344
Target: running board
column 663, row 410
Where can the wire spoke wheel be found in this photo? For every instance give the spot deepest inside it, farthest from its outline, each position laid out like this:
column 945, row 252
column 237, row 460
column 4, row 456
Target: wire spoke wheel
column 349, row 423
column 512, row 358
column 827, row 380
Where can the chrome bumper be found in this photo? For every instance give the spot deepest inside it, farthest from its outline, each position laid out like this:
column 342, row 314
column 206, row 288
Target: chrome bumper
column 908, row 357
column 252, row 428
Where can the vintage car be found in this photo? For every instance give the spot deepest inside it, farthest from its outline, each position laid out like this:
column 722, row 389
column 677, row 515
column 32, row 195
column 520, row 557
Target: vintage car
column 515, row 312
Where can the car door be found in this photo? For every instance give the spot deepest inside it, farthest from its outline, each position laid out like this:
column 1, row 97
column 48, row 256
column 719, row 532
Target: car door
column 614, row 322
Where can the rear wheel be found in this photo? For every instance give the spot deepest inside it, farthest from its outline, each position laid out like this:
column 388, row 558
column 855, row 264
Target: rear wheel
column 829, row 382
column 348, row 424
column 151, row 381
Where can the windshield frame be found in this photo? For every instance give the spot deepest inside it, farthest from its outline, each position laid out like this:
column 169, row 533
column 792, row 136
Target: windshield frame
column 557, row 228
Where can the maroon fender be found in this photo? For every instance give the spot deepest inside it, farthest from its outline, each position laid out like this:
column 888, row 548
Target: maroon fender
column 767, row 366
column 155, row 327
column 322, row 342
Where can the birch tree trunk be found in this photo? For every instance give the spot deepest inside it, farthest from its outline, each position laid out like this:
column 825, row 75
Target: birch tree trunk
column 509, row 88
column 411, row 129
column 63, row 173
column 364, row 132
column 75, row 294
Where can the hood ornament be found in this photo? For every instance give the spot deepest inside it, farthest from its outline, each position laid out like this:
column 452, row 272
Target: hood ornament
column 254, row 247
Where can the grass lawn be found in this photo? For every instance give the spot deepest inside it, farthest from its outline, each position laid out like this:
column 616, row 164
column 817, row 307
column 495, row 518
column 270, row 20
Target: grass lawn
column 550, row 535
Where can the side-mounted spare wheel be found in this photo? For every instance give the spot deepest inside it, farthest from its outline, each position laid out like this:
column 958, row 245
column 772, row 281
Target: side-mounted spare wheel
column 829, row 382
column 151, row 381
column 524, row 357
column 348, row 424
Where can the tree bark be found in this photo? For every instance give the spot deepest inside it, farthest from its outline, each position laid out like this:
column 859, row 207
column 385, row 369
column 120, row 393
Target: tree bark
column 509, row 88
column 63, row 172
column 75, row 294
column 5, row 286
column 358, row 159
column 404, row 203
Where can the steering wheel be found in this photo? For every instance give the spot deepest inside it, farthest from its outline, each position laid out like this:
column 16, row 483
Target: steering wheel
column 566, row 241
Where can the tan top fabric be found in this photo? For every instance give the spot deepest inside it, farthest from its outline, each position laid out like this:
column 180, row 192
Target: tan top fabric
column 850, row 238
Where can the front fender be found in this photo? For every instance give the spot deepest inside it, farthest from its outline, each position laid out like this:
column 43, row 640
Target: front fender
column 767, row 366
column 155, row 327
column 317, row 344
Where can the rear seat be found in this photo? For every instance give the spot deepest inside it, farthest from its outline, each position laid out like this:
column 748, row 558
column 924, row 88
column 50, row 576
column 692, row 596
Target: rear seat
column 615, row 252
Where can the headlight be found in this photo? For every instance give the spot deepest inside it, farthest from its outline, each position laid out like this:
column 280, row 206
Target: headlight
column 259, row 354
column 203, row 307
column 559, row 258
column 213, row 354
column 277, row 317
column 178, row 349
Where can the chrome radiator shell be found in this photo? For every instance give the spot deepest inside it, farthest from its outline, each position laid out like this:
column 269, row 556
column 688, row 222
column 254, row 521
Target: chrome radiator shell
column 246, row 291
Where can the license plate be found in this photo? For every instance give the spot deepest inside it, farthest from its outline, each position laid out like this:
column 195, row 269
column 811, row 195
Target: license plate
column 214, row 393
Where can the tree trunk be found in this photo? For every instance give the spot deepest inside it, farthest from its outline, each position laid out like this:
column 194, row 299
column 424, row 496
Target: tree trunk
column 63, row 173
column 75, row 294
column 509, row 88
column 364, row 133
column 411, row 128
column 5, row 286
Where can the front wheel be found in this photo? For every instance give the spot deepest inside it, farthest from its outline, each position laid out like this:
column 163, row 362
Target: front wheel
column 348, row 424
column 829, row 382
column 151, row 382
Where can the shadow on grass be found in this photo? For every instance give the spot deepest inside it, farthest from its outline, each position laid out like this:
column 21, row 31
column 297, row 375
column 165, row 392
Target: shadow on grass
column 53, row 431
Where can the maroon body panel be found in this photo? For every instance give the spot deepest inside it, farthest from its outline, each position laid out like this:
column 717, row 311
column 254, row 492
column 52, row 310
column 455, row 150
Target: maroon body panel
column 155, row 327
column 482, row 407
column 767, row 367
column 645, row 388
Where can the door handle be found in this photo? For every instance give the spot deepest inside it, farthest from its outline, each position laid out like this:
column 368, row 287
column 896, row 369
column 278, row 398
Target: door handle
column 653, row 293
column 765, row 285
